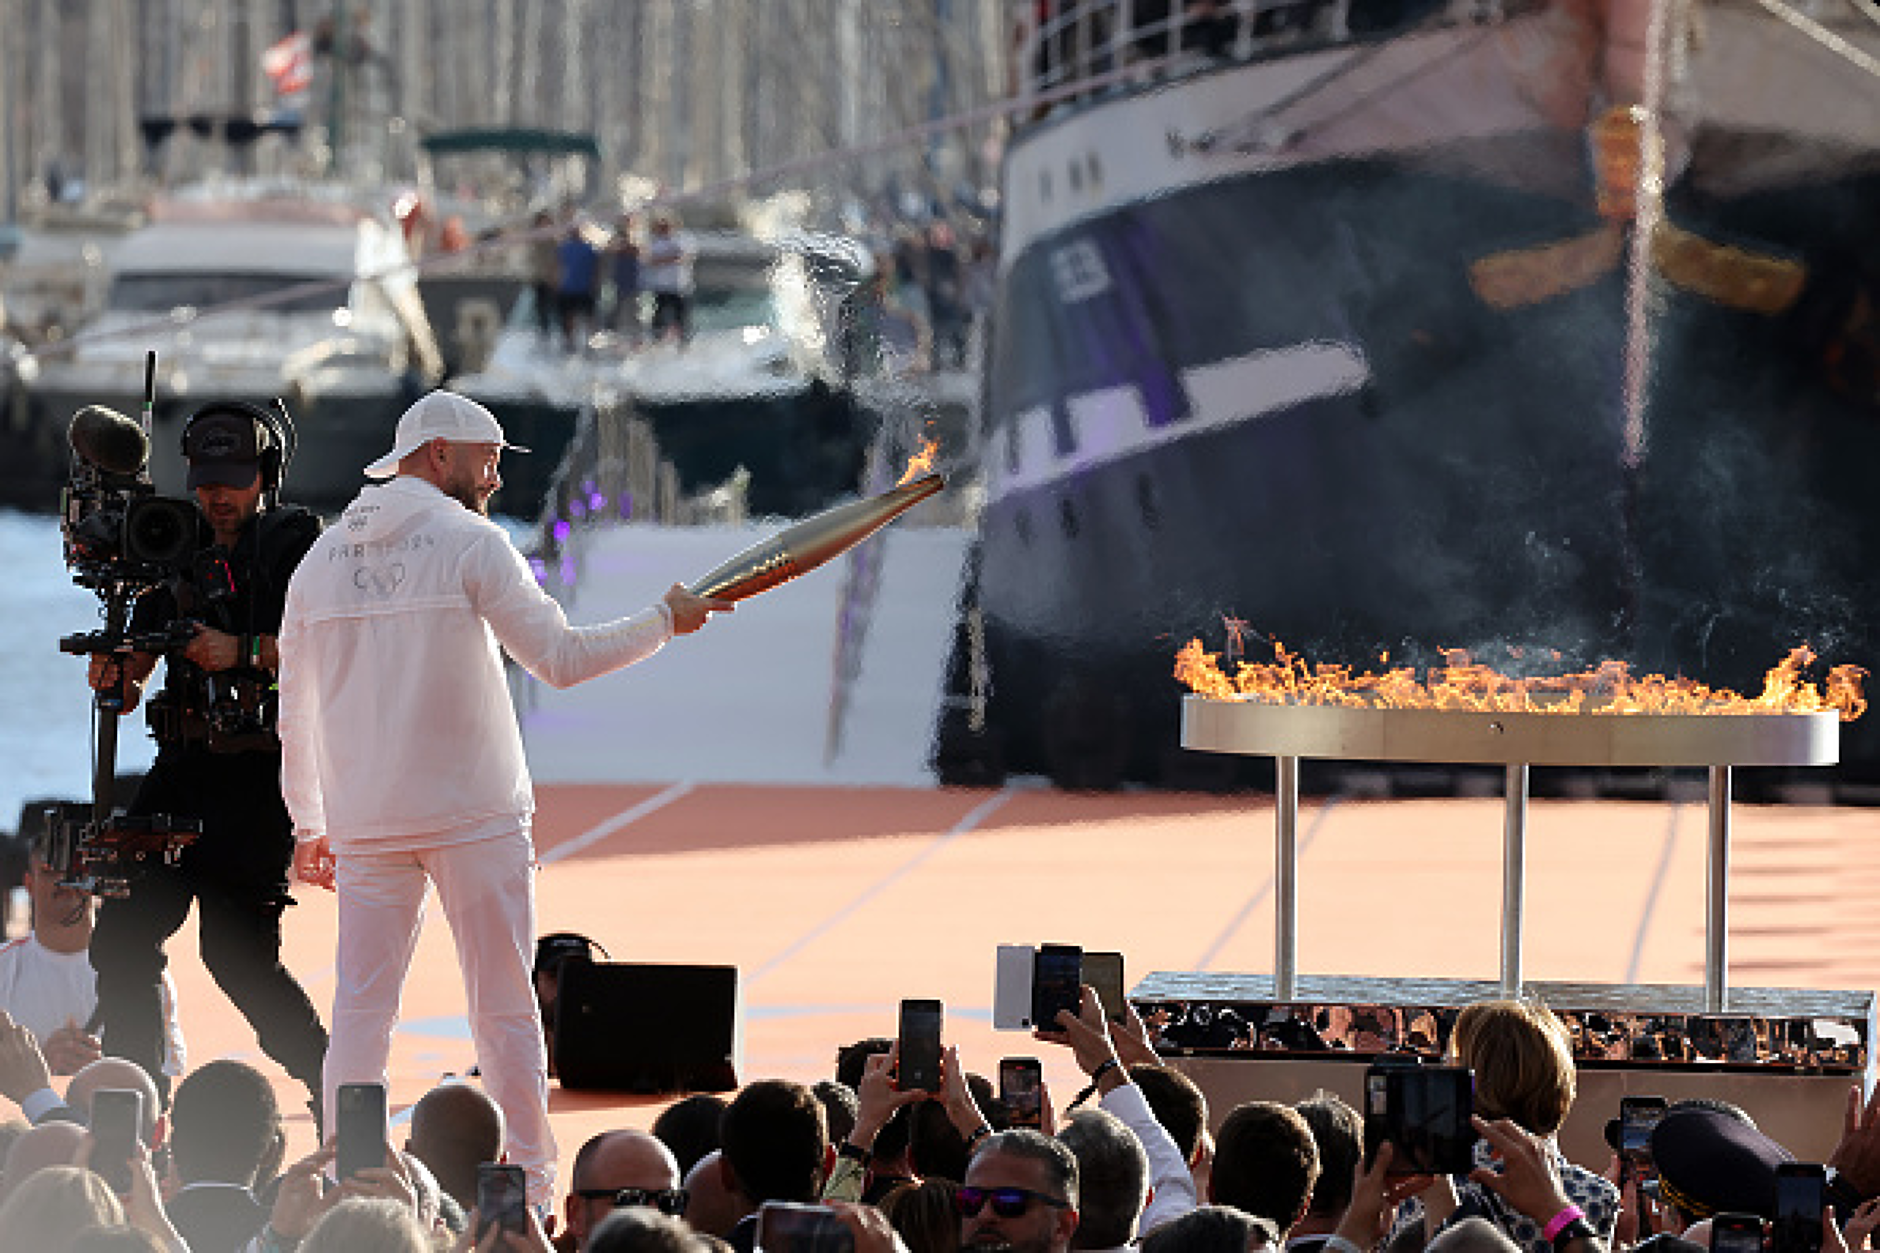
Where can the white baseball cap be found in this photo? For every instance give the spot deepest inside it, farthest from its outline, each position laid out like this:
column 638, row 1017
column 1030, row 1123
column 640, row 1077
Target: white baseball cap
column 440, row 415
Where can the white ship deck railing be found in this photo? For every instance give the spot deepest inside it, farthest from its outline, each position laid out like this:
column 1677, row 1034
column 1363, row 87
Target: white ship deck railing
column 1096, row 44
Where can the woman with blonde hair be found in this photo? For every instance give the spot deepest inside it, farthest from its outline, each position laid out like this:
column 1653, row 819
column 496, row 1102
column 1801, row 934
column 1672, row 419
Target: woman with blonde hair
column 52, row 1205
column 1522, row 1057
column 368, row 1225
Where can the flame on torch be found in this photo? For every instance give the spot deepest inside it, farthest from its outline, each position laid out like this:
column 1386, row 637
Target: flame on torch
column 921, row 462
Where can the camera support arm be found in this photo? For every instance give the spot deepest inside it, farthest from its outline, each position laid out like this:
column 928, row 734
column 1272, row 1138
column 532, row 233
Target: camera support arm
column 107, row 708
column 99, row 855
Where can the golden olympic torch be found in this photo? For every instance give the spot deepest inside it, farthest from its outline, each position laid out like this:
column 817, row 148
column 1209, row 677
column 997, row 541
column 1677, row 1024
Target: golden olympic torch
column 801, row 548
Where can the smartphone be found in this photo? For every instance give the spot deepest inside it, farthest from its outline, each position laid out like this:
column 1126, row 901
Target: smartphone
column 1423, row 1111
column 117, row 1119
column 1637, row 1116
column 1801, row 1194
column 360, row 1127
column 919, row 1062
column 1057, row 977
column 502, row 1198
column 1104, row 973
column 1021, row 1091
column 790, row 1227
column 1736, row 1233
column 1011, row 987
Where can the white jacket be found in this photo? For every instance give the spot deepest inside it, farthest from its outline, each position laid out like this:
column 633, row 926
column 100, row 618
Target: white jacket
column 396, row 725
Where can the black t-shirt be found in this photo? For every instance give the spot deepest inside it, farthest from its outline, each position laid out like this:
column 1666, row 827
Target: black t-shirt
column 258, row 567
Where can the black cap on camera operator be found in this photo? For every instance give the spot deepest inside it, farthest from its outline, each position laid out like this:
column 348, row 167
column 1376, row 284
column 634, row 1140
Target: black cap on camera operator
column 218, row 757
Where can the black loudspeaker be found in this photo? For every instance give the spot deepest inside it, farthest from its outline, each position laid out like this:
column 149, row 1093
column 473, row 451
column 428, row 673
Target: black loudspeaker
column 630, row 1027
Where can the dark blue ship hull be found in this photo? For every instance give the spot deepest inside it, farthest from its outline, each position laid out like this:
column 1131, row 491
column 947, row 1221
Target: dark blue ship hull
column 1285, row 395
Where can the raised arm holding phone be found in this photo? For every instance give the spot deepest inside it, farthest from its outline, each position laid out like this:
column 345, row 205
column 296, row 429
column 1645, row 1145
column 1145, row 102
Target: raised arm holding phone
column 1093, row 1039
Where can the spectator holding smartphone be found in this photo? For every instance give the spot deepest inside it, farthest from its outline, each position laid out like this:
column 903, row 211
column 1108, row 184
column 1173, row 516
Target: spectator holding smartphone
column 878, row 1101
column 1522, row 1059
column 1089, row 1034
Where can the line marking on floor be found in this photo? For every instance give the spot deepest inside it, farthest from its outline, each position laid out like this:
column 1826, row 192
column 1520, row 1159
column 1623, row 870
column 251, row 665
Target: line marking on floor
column 984, row 810
column 1265, row 889
column 625, row 818
column 1659, row 878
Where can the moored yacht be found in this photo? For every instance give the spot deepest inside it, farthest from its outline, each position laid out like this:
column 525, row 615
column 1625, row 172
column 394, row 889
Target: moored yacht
column 311, row 302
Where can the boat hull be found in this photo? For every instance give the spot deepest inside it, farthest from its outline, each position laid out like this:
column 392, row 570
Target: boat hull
column 1377, row 401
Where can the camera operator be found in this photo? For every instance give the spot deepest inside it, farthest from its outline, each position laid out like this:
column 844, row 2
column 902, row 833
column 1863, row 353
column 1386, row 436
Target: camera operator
column 218, row 758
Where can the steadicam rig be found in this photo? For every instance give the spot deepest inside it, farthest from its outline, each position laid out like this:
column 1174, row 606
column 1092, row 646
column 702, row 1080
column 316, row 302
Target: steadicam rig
column 121, row 539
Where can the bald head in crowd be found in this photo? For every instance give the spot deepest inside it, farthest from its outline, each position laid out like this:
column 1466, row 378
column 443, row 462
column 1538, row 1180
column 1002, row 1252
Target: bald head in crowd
column 714, row 1205
column 615, row 1162
column 454, row 1128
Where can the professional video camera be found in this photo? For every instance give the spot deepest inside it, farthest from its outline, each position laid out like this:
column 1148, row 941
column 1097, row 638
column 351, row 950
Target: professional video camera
column 121, row 540
column 120, row 536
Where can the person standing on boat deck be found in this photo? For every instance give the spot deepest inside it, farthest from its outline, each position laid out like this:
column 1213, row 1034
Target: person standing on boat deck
column 667, row 273
column 577, row 274
column 624, row 252
column 403, row 760
column 218, row 760
column 542, row 271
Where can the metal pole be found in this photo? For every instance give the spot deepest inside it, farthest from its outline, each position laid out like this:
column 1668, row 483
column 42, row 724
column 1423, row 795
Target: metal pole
column 1513, row 878
column 1717, row 898
column 1286, row 881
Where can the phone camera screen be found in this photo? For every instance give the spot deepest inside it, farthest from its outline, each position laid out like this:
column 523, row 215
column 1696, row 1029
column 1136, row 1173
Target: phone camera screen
column 1056, row 985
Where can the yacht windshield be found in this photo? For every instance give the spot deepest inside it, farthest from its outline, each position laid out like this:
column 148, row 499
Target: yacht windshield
column 719, row 309
column 729, row 293
column 159, row 293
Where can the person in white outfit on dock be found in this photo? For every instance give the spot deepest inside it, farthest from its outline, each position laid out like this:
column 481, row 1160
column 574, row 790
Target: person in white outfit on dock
column 402, row 757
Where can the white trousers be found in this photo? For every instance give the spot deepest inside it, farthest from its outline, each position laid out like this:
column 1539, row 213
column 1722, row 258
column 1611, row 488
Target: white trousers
column 487, row 889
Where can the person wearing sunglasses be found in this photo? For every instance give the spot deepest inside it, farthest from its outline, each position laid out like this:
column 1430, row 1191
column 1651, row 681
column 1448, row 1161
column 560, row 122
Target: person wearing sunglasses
column 620, row 1169
column 1020, row 1193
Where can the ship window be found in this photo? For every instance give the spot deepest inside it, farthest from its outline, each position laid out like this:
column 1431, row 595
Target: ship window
column 1077, row 175
column 1096, row 171
column 1067, row 517
column 1146, row 502
column 163, row 291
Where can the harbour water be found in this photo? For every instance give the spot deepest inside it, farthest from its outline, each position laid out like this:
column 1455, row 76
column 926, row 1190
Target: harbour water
column 45, row 708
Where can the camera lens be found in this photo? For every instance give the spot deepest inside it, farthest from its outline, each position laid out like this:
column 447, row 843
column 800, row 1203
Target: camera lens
column 158, row 530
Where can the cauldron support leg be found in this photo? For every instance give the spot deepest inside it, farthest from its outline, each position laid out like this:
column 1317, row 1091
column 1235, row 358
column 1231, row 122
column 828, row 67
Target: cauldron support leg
column 1286, row 880
column 1717, row 899
column 1513, row 877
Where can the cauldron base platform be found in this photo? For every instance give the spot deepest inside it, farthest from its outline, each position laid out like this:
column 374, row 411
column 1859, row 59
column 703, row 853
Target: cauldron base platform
column 1787, row 1055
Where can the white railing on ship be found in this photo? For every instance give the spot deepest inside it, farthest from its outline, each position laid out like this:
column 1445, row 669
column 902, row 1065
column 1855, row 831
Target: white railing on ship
column 1100, row 43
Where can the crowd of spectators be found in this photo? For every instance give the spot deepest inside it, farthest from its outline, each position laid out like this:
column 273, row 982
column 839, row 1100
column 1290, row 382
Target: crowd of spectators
column 1129, row 1161
column 919, row 308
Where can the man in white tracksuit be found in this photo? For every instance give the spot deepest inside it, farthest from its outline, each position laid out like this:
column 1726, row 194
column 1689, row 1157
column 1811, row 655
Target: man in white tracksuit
column 402, row 759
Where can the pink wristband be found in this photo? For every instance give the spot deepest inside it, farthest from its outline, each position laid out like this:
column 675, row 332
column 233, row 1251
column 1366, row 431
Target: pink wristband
column 1560, row 1220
